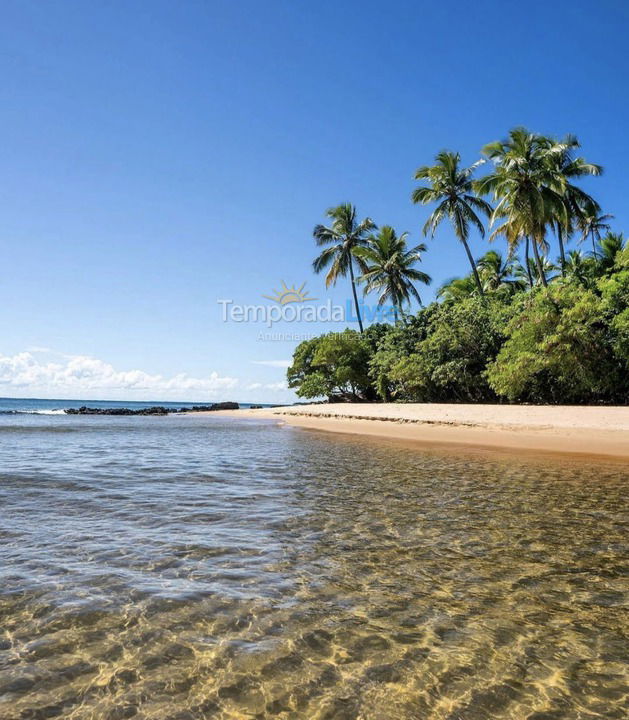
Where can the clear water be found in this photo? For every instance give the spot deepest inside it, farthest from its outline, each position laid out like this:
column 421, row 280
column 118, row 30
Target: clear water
column 187, row 567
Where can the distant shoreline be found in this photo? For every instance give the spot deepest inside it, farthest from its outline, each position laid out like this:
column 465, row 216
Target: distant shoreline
column 596, row 431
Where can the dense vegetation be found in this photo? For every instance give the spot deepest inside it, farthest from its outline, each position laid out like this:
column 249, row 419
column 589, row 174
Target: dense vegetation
column 514, row 329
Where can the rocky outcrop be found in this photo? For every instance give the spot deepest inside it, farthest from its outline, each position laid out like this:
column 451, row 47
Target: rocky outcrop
column 212, row 407
column 84, row 410
column 154, row 410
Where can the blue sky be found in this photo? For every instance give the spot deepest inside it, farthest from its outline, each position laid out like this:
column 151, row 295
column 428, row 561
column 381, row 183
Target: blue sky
column 158, row 156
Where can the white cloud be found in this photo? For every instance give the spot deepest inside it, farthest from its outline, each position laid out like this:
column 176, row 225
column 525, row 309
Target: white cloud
column 273, row 363
column 81, row 376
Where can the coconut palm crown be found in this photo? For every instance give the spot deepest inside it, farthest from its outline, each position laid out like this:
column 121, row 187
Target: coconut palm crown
column 592, row 224
column 530, row 184
column 608, row 249
column 499, row 274
column 450, row 186
column 343, row 236
column 388, row 268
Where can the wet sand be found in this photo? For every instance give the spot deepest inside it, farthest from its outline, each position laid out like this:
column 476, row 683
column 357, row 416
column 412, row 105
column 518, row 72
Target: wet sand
column 591, row 431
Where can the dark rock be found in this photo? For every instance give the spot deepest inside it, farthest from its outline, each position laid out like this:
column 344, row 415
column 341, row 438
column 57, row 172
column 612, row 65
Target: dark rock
column 84, row 410
column 212, row 407
column 225, row 406
column 154, row 410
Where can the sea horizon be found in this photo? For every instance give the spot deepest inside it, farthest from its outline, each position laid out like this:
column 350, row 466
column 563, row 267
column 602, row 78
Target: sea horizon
column 13, row 405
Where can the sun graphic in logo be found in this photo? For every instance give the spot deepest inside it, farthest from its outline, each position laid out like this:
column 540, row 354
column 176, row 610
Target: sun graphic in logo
column 289, row 294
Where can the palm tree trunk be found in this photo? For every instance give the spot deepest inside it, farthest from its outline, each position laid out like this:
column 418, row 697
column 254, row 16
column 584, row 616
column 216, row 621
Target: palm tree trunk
column 473, row 265
column 395, row 301
column 527, row 260
column 561, row 251
column 594, row 248
column 538, row 262
column 351, row 275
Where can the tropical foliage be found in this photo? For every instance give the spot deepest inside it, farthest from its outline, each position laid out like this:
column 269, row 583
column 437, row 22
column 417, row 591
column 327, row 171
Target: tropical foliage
column 557, row 350
column 512, row 330
column 335, row 365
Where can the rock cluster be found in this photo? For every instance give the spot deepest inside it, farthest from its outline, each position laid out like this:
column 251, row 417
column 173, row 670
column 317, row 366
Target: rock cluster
column 154, row 410
column 84, row 410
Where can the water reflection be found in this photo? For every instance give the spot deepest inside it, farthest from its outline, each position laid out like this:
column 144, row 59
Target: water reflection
column 187, row 568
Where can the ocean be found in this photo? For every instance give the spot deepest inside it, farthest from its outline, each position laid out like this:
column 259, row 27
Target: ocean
column 37, row 406
column 186, row 566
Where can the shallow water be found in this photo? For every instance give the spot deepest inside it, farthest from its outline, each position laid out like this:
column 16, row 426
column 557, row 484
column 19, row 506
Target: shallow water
column 189, row 567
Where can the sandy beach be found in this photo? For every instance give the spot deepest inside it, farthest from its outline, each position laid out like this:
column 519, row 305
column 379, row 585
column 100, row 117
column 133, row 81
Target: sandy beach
column 592, row 431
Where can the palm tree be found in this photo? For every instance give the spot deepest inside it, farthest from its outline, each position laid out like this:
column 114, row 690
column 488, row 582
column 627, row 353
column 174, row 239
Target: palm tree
column 592, row 224
column 451, row 186
column 527, row 260
column 343, row 236
column 609, row 247
column 498, row 274
column 545, row 271
column 529, row 183
column 389, row 268
column 574, row 199
column 458, row 288
column 580, row 268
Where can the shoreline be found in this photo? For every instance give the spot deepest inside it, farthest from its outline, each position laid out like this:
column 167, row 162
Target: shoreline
column 591, row 431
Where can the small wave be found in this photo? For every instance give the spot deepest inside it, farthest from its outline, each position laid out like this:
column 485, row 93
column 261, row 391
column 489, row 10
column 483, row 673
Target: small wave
column 33, row 412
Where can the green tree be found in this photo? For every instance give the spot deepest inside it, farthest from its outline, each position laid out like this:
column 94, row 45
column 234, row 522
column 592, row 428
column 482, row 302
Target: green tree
column 614, row 289
column 450, row 186
column 449, row 363
column 334, row 365
column 343, row 236
column 399, row 342
column 388, row 268
column 557, row 350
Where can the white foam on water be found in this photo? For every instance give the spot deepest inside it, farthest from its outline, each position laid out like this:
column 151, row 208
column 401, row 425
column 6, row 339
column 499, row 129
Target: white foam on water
column 43, row 412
